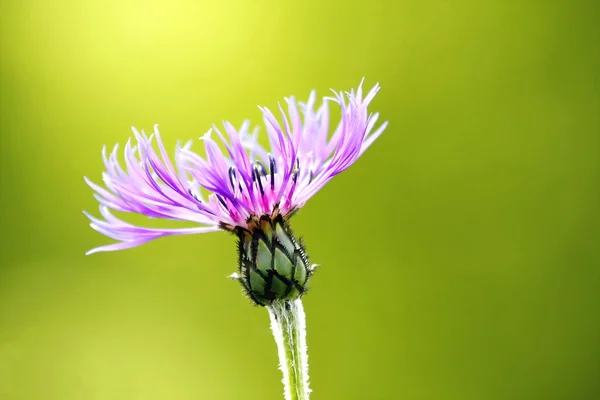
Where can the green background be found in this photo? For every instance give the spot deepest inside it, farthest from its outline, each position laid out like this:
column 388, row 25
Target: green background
column 460, row 255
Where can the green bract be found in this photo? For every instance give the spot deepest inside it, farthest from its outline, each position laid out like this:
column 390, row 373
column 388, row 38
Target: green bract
column 272, row 263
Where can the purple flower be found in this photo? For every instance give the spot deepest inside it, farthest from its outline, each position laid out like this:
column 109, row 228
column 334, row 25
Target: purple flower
column 231, row 191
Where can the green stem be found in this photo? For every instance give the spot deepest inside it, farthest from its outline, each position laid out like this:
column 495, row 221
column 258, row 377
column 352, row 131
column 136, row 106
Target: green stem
column 288, row 324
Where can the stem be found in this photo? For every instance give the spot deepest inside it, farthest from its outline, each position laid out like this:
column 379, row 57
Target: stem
column 288, row 324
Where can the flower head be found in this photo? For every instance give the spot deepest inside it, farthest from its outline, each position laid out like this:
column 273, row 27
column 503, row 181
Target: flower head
column 246, row 189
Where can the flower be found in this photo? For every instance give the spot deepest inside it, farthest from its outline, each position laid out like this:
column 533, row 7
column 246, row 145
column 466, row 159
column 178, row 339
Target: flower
column 250, row 189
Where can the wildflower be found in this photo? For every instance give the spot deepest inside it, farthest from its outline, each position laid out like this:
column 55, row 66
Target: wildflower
column 249, row 191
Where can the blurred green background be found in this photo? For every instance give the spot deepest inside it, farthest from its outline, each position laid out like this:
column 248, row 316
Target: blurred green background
column 460, row 255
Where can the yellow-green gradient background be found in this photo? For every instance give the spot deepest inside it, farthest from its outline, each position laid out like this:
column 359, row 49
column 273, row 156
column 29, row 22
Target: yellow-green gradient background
column 459, row 256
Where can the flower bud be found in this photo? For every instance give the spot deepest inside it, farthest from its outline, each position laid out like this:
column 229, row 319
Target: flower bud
column 272, row 263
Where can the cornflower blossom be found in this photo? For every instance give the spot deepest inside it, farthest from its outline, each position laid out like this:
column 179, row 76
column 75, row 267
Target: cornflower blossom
column 252, row 191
